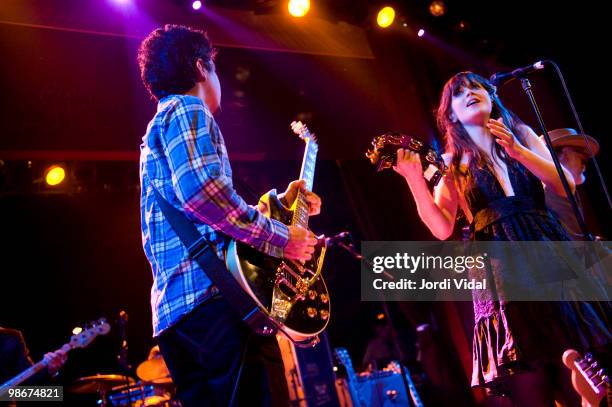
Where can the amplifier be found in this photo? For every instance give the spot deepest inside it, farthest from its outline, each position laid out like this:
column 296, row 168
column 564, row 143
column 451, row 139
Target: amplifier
column 309, row 372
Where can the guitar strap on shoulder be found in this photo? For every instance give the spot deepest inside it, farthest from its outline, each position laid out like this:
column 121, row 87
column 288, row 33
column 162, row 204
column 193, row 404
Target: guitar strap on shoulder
column 201, row 251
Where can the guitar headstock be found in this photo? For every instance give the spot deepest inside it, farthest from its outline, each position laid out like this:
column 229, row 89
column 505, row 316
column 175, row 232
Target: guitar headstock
column 86, row 336
column 343, row 357
column 588, row 377
column 302, row 131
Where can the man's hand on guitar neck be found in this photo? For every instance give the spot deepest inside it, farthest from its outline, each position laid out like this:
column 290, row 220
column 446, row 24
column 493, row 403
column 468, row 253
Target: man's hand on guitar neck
column 55, row 361
column 289, row 196
column 300, row 245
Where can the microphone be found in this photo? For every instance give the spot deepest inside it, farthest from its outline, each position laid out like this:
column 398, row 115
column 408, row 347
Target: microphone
column 501, row 78
column 331, row 241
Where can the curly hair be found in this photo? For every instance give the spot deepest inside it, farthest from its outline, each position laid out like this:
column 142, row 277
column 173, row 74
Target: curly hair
column 167, row 59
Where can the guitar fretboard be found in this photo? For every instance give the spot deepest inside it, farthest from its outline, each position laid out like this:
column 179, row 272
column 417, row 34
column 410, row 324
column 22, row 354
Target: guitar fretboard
column 22, row 377
column 300, row 215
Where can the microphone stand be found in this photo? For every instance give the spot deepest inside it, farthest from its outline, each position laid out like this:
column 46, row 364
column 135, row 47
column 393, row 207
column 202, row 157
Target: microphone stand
column 526, row 84
column 122, row 357
column 581, row 129
column 590, row 254
column 398, row 350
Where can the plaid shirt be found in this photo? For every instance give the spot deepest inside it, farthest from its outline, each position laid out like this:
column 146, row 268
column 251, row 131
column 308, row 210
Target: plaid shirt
column 183, row 154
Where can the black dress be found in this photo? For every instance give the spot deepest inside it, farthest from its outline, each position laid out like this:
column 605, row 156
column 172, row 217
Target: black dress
column 510, row 337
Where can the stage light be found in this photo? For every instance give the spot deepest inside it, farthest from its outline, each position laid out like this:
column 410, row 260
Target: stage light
column 196, row 5
column 298, row 8
column 437, row 8
column 385, row 17
column 54, row 175
column 380, row 316
column 421, row 32
column 463, row 26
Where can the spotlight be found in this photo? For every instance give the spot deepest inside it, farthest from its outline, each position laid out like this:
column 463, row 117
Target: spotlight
column 298, row 8
column 462, row 26
column 122, row 3
column 385, row 17
column 437, row 8
column 196, row 5
column 421, row 32
column 55, row 175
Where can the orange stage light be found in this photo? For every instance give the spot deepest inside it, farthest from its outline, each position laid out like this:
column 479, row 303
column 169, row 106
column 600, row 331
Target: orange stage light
column 385, row 17
column 55, row 175
column 437, row 8
column 298, row 8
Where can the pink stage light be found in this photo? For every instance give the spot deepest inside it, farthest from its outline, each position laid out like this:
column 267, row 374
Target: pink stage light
column 196, row 5
column 421, row 32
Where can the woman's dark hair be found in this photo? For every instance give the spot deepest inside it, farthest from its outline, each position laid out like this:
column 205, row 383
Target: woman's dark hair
column 458, row 141
column 167, row 59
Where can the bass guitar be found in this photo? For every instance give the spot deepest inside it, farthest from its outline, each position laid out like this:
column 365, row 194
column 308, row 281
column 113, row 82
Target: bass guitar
column 81, row 339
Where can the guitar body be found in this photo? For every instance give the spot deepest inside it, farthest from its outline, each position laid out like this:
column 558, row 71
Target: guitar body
column 292, row 295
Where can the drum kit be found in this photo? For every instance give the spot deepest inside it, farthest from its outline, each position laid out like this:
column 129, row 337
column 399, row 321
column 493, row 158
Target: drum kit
column 154, row 389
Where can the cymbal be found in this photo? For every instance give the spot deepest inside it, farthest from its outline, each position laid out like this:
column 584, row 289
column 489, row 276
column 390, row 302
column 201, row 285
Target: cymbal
column 98, row 383
column 154, row 370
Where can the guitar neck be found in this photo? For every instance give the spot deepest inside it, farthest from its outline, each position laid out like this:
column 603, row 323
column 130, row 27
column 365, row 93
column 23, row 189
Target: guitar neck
column 351, row 376
column 300, row 214
column 23, row 376
column 28, row 373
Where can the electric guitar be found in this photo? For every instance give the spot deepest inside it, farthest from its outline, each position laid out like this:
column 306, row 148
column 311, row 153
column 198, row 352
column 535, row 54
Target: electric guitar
column 351, row 377
column 78, row 340
column 588, row 377
column 292, row 295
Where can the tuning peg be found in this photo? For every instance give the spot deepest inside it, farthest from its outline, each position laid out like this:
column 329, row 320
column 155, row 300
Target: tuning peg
column 592, row 366
column 597, row 373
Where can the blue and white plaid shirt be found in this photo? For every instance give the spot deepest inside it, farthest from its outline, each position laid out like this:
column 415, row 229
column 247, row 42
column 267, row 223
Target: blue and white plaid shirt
column 183, row 154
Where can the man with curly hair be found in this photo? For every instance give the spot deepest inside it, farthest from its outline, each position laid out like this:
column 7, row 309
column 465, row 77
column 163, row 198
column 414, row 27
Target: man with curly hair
column 205, row 344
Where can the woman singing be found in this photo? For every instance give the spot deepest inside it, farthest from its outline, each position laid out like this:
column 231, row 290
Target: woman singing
column 497, row 166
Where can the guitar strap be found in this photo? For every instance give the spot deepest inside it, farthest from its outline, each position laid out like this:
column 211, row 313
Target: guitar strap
column 201, row 251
